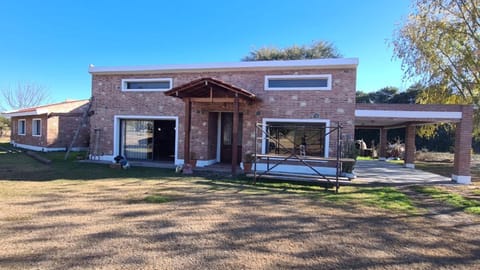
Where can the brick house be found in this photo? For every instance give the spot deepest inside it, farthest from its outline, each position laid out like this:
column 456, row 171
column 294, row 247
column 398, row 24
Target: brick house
column 210, row 112
column 49, row 127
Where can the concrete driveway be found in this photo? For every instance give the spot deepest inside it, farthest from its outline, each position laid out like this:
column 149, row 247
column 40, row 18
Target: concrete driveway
column 374, row 171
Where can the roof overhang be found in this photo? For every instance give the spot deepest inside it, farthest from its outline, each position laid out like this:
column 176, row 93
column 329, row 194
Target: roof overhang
column 328, row 63
column 210, row 90
column 400, row 115
column 25, row 113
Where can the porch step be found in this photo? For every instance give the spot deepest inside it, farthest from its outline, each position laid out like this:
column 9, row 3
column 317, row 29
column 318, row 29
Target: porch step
column 303, row 177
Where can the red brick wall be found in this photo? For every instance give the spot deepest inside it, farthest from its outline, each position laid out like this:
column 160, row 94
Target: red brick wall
column 463, row 143
column 57, row 129
column 28, row 139
column 335, row 105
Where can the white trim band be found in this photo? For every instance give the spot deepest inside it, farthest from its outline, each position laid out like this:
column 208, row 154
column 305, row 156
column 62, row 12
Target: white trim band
column 462, row 179
column 27, row 113
column 409, row 165
column 332, row 63
column 408, row 114
column 47, row 149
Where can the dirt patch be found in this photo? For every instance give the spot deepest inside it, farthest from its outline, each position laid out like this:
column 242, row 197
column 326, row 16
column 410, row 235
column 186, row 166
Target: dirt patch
column 94, row 224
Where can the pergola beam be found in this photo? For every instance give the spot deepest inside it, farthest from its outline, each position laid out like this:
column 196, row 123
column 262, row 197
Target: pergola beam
column 187, row 127
column 235, row 134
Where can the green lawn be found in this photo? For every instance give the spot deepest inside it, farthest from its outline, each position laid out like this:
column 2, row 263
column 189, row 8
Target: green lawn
column 453, row 199
column 18, row 166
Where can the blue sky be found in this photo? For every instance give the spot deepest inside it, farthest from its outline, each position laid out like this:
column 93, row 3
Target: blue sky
column 52, row 42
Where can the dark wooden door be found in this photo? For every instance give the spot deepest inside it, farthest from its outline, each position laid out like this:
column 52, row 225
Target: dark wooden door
column 226, row 138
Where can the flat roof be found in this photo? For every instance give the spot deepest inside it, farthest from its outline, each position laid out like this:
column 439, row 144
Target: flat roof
column 43, row 109
column 333, row 63
column 399, row 115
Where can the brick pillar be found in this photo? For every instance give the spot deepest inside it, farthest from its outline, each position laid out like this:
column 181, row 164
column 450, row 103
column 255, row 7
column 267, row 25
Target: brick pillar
column 463, row 146
column 382, row 155
column 409, row 159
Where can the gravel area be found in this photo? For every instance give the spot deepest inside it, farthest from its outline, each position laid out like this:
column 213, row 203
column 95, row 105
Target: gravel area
column 105, row 224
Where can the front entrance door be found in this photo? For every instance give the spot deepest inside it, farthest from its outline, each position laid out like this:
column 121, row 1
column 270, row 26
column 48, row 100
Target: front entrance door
column 226, row 138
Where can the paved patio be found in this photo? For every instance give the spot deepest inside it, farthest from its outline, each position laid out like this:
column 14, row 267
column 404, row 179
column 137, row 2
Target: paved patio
column 374, row 171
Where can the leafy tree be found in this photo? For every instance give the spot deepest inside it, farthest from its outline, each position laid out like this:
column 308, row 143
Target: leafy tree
column 387, row 94
column 319, row 49
column 362, row 97
column 24, row 95
column 440, row 43
column 4, row 125
column 408, row 96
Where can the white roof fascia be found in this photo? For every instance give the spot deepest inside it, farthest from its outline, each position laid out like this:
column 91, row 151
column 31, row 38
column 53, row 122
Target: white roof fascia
column 29, row 113
column 333, row 63
column 408, row 114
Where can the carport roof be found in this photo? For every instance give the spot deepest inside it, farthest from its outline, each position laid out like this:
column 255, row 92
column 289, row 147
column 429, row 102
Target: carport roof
column 399, row 115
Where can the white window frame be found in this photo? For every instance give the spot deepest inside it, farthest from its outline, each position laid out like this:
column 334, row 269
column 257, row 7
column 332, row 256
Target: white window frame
column 299, row 77
column 117, row 129
column 24, row 127
column 39, row 127
column 126, row 81
column 296, row 120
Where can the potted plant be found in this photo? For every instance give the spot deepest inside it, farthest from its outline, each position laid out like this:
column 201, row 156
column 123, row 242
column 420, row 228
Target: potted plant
column 248, row 159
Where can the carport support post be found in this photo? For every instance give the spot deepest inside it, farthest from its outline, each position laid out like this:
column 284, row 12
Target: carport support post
column 463, row 145
column 409, row 158
column 383, row 144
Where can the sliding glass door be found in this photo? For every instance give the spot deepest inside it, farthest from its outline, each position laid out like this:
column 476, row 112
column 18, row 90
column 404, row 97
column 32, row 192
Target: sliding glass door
column 137, row 139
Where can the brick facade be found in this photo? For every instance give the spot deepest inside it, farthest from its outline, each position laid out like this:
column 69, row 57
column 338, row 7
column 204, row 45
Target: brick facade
column 58, row 125
column 463, row 146
column 335, row 105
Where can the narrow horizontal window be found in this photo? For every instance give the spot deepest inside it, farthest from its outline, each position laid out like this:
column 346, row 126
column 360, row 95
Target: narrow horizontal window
column 160, row 84
column 298, row 82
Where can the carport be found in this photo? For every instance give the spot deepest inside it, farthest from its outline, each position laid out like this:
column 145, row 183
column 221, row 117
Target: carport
column 391, row 116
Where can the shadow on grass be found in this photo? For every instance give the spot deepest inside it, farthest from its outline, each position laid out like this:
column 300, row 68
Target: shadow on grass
column 18, row 166
column 389, row 198
column 456, row 200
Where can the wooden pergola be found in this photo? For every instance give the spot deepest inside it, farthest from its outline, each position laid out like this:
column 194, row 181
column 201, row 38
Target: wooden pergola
column 210, row 90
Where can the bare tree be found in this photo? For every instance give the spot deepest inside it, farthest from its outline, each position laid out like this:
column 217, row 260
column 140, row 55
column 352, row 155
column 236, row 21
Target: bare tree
column 24, row 95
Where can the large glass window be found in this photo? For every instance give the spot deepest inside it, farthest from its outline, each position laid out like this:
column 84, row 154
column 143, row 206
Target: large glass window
column 300, row 138
column 137, row 141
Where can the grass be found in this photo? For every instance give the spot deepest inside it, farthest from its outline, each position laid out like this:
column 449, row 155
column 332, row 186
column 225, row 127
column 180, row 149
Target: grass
column 62, row 171
column 388, row 198
column 364, row 158
column 22, row 167
column 157, row 199
column 383, row 197
column 455, row 200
